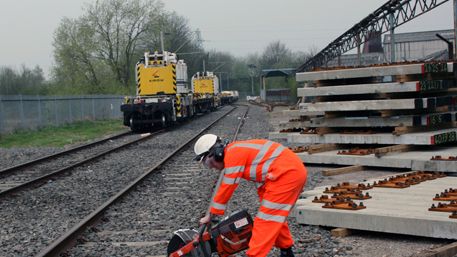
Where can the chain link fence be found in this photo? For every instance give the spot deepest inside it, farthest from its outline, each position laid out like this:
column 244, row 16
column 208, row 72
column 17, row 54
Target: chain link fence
column 32, row 112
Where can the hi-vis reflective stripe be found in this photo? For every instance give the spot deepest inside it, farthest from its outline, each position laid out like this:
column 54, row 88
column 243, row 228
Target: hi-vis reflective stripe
column 138, row 78
column 273, row 156
column 218, row 206
column 231, row 181
column 258, row 185
column 178, row 104
column 232, row 170
column 270, row 217
column 175, row 88
column 276, row 206
column 258, row 159
column 247, row 145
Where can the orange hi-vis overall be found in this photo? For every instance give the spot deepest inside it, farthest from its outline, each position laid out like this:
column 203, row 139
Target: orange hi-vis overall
column 280, row 176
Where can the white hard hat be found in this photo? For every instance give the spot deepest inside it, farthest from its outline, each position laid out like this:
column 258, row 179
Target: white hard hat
column 204, row 144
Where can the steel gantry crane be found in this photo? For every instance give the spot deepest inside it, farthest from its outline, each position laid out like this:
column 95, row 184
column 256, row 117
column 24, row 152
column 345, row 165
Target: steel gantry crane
column 386, row 18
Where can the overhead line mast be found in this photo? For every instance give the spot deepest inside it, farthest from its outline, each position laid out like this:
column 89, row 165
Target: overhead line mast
column 386, row 18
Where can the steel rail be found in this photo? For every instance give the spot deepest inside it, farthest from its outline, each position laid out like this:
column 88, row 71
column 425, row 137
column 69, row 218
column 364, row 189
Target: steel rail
column 241, row 123
column 52, row 156
column 64, row 169
column 69, row 238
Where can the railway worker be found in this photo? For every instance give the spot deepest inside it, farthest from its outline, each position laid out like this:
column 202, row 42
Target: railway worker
column 279, row 176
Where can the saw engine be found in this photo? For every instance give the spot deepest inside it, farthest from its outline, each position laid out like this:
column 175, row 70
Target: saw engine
column 228, row 237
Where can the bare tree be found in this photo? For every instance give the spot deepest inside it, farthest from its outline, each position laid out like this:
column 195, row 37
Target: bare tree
column 179, row 38
column 118, row 27
column 104, row 40
column 275, row 55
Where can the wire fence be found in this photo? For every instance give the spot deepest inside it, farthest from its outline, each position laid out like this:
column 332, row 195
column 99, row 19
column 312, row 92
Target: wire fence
column 32, row 112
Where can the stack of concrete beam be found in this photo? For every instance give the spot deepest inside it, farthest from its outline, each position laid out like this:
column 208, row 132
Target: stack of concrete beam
column 411, row 105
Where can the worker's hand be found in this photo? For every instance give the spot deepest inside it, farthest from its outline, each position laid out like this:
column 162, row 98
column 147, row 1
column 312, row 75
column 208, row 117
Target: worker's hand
column 205, row 219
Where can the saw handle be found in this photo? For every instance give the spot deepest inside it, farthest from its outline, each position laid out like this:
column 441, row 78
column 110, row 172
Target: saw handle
column 201, row 241
column 202, row 230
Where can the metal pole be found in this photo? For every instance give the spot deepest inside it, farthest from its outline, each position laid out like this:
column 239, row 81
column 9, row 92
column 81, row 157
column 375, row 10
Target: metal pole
column 1, row 116
column 55, row 111
column 93, row 108
column 455, row 29
column 220, row 84
column 450, row 48
column 69, row 110
column 22, row 112
column 39, row 111
column 252, row 85
column 263, row 82
column 228, row 81
column 81, row 101
column 392, row 38
column 359, row 55
column 161, row 42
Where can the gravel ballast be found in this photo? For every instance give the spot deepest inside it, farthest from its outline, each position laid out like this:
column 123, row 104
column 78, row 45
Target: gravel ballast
column 173, row 198
column 32, row 218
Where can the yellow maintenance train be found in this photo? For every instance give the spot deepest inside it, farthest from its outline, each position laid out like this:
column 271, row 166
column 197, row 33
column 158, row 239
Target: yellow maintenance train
column 163, row 95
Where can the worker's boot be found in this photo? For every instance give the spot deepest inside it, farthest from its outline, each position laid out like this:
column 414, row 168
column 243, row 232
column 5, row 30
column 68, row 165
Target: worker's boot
column 287, row 252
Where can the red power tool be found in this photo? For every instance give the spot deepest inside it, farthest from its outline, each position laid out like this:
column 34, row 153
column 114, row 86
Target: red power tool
column 228, row 237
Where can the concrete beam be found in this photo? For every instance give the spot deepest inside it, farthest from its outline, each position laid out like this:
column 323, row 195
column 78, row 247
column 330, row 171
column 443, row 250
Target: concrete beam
column 414, row 160
column 379, row 71
column 375, row 121
column 389, row 104
column 377, row 88
column 420, row 138
column 299, row 113
column 400, row 211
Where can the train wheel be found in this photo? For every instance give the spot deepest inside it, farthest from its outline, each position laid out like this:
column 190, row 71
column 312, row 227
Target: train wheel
column 133, row 126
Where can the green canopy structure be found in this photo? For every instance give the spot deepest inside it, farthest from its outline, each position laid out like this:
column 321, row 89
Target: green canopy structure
column 268, row 73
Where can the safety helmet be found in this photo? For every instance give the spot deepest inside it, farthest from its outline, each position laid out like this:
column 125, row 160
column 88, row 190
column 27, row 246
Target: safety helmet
column 204, row 144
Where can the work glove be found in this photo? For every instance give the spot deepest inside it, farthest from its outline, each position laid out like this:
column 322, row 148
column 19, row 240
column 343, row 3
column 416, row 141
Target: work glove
column 205, row 219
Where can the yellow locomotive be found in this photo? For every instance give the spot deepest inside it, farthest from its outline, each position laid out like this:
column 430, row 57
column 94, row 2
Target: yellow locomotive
column 163, row 95
column 205, row 88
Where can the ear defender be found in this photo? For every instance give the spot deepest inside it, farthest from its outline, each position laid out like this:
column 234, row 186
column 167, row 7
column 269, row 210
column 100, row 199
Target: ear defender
column 219, row 150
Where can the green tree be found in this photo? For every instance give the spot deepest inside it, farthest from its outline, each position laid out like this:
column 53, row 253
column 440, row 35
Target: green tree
column 24, row 81
column 74, row 45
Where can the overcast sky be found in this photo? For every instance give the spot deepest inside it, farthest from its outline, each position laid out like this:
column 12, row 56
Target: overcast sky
column 236, row 26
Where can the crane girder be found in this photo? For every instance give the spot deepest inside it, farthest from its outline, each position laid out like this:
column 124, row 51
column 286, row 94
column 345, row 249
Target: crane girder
column 389, row 16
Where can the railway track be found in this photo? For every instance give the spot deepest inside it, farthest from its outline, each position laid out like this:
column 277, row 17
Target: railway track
column 141, row 218
column 24, row 175
column 33, row 218
column 64, row 152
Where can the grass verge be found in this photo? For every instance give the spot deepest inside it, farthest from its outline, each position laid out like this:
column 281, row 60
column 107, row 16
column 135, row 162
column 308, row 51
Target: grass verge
column 63, row 135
